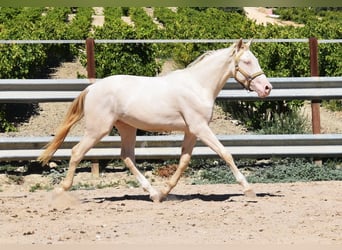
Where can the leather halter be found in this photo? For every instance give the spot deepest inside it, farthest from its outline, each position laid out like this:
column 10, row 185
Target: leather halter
column 248, row 78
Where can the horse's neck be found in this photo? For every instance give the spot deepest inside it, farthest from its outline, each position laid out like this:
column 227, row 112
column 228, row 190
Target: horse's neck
column 213, row 72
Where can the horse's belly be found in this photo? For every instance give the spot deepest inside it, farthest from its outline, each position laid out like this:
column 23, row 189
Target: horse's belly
column 155, row 123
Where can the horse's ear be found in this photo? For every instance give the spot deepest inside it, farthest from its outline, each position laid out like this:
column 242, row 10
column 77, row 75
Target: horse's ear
column 239, row 44
column 248, row 44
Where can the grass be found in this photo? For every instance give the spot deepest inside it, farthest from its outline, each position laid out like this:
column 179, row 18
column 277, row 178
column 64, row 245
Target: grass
column 200, row 171
column 88, row 186
column 39, row 186
column 285, row 170
column 333, row 105
column 15, row 179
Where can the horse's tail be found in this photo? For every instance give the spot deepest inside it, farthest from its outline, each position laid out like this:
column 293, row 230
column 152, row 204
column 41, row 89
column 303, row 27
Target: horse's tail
column 75, row 113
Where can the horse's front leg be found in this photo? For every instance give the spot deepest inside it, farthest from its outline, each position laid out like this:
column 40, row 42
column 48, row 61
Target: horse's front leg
column 145, row 184
column 187, row 147
column 209, row 138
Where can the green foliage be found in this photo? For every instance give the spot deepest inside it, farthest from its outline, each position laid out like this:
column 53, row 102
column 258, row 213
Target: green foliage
column 15, row 113
column 82, row 186
column 309, row 14
column 39, row 186
column 144, row 25
column 333, row 105
column 31, row 61
column 55, row 175
column 292, row 122
column 5, row 126
column 79, row 27
column 52, row 23
column 131, row 59
column 15, row 179
column 286, row 170
column 194, row 23
column 322, row 23
column 297, row 170
column 265, row 117
column 298, row 15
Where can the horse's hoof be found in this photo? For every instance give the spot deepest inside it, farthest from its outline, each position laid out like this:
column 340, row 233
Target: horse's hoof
column 157, row 197
column 250, row 193
column 60, row 199
column 58, row 190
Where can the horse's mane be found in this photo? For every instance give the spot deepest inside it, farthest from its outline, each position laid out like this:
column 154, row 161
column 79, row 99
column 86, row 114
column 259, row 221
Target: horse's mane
column 204, row 55
column 201, row 57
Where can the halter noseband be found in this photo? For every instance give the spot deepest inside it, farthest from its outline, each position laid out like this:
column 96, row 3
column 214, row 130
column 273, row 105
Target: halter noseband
column 248, row 78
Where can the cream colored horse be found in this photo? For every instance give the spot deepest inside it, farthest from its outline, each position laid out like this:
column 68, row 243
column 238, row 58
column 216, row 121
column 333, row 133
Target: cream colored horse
column 182, row 100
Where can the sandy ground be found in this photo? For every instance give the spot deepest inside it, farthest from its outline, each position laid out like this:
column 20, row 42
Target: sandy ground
column 294, row 213
column 263, row 16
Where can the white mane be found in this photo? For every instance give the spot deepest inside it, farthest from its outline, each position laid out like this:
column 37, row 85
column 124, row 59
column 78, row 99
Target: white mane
column 205, row 55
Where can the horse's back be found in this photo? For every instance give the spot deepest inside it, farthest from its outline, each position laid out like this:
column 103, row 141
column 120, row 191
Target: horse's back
column 129, row 86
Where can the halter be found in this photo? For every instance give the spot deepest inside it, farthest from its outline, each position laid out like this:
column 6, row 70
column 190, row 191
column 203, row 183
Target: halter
column 248, row 78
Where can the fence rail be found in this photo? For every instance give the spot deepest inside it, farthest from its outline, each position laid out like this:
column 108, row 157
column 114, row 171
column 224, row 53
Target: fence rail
column 169, row 146
column 65, row 90
column 276, row 40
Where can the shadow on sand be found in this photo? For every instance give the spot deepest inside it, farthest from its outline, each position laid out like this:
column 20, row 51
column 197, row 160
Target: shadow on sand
column 180, row 197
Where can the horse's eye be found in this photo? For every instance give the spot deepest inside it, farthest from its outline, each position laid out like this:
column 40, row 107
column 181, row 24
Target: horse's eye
column 247, row 62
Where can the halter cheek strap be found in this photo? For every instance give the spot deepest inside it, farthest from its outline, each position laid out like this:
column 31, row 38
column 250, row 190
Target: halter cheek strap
column 248, row 78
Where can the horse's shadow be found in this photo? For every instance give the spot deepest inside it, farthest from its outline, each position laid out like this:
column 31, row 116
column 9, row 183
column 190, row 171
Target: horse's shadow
column 181, row 197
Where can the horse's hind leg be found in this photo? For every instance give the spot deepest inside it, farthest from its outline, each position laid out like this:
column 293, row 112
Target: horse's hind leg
column 128, row 137
column 77, row 154
column 93, row 134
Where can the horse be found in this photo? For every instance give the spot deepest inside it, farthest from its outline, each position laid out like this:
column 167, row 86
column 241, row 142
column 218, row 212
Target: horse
column 181, row 100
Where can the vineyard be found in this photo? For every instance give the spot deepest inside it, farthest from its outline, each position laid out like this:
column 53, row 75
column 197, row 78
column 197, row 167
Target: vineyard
column 30, row 60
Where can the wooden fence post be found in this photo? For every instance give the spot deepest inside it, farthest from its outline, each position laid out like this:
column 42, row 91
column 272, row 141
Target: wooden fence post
column 315, row 104
column 90, row 48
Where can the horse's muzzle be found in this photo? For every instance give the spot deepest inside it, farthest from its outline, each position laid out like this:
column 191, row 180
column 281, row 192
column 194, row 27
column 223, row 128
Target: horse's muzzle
column 261, row 86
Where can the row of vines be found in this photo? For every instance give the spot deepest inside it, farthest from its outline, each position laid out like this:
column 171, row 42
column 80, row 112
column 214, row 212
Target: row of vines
column 27, row 60
column 276, row 59
column 32, row 60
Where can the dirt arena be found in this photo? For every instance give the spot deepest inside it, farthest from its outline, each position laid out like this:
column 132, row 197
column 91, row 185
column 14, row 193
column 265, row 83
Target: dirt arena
column 293, row 213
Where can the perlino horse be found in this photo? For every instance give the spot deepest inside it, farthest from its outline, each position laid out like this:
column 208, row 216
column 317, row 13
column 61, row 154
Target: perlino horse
column 182, row 100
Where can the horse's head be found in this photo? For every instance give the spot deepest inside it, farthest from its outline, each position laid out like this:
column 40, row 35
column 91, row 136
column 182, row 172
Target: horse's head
column 248, row 72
